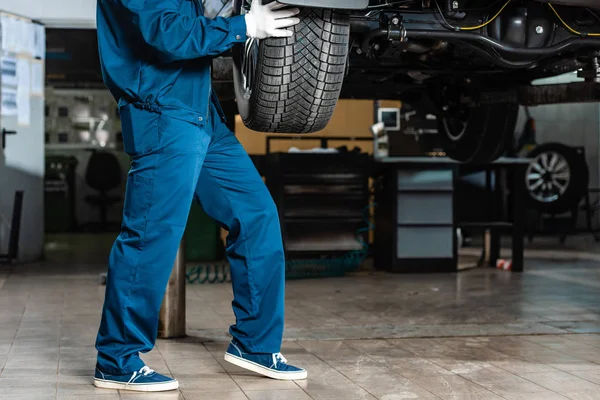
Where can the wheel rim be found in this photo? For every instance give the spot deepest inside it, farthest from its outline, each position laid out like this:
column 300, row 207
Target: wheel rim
column 249, row 57
column 456, row 124
column 548, row 177
column 249, row 65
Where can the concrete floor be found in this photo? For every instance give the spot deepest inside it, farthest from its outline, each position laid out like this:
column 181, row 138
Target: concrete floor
column 482, row 334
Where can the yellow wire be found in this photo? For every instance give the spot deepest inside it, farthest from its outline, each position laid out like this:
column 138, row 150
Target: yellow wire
column 567, row 25
column 472, row 28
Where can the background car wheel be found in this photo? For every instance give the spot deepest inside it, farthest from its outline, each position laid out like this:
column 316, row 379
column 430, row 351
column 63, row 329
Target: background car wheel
column 477, row 134
column 292, row 85
column 557, row 178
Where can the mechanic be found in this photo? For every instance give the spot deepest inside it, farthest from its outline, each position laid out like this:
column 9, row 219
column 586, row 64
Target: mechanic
column 156, row 60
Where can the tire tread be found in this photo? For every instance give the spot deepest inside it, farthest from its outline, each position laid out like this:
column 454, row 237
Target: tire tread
column 301, row 77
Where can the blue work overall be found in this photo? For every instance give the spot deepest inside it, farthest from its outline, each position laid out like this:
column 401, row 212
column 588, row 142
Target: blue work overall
column 155, row 57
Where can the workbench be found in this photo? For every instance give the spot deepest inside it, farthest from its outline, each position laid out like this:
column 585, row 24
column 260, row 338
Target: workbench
column 416, row 219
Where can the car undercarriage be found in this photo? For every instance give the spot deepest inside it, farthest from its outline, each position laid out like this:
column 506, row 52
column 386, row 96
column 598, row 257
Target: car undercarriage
column 481, row 43
column 469, row 62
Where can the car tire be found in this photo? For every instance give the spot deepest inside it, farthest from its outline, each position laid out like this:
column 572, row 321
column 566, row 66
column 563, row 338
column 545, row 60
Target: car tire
column 547, row 166
column 292, row 85
column 478, row 135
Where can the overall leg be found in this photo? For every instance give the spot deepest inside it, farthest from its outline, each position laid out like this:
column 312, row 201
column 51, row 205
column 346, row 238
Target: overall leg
column 167, row 157
column 232, row 192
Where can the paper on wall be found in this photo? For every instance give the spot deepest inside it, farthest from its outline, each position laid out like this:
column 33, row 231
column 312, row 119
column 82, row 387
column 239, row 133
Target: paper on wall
column 40, row 42
column 37, row 78
column 8, row 70
column 12, row 26
column 21, row 36
column 3, row 32
column 31, row 49
column 4, row 27
column 18, row 35
column 7, row 29
column 24, row 91
column 8, row 98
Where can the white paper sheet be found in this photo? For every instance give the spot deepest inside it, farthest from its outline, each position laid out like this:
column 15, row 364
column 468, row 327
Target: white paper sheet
column 24, row 91
column 4, row 25
column 37, row 78
column 21, row 38
column 12, row 29
column 40, row 42
column 8, row 70
column 8, row 107
column 31, row 45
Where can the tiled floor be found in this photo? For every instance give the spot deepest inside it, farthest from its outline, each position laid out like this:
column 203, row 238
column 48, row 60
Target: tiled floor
column 478, row 335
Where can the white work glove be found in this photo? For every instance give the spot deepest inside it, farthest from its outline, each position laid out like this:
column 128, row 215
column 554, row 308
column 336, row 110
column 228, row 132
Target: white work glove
column 264, row 21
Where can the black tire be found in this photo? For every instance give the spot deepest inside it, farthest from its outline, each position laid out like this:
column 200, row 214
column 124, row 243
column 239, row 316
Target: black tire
column 575, row 188
column 297, row 80
column 477, row 135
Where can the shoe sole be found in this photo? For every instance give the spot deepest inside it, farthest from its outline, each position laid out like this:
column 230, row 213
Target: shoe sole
column 259, row 369
column 149, row 387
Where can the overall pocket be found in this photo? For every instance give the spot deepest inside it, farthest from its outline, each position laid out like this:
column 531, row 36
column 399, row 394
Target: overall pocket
column 140, row 130
column 138, row 200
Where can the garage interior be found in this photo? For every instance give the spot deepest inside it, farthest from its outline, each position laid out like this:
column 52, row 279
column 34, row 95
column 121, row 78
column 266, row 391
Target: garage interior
column 409, row 275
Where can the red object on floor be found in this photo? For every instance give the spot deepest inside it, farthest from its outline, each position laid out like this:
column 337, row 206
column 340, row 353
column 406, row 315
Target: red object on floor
column 505, row 265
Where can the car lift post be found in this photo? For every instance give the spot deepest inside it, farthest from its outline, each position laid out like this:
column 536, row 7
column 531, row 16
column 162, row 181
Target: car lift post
column 172, row 313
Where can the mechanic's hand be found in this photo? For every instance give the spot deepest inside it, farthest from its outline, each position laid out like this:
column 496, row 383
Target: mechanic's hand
column 264, row 21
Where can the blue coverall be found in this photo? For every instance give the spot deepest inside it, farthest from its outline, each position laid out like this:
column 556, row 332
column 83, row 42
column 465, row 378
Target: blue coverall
column 156, row 57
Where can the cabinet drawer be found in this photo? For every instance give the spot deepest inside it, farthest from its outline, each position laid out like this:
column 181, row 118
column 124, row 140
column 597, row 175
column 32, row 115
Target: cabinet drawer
column 425, row 242
column 424, row 208
column 425, row 180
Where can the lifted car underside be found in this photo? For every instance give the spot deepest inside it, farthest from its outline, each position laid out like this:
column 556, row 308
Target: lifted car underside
column 452, row 58
column 490, row 44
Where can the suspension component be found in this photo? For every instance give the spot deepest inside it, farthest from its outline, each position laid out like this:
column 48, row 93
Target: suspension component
column 591, row 69
column 394, row 32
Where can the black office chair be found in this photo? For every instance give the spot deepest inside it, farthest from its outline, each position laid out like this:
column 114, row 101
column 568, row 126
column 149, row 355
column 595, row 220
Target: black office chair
column 15, row 230
column 103, row 174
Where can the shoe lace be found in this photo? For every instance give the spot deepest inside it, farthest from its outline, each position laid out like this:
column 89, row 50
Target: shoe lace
column 146, row 371
column 279, row 358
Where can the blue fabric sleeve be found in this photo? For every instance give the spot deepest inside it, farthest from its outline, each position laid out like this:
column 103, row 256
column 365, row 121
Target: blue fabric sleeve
column 177, row 37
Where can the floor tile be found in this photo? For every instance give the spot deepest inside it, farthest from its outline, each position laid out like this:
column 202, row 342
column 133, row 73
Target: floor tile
column 191, row 395
column 47, row 365
column 534, row 396
column 518, row 367
column 417, row 366
column 347, row 393
column 33, row 393
column 77, row 372
column 520, row 387
column 247, row 383
column 579, row 365
column 107, row 396
column 207, row 383
column 24, row 372
column 44, row 382
column 472, row 396
column 447, row 384
column 591, row 375
column 172, row 395
column 82, row 390
column 562, row 382
column 388, row 383
column 278, row 395
column 593, row 395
